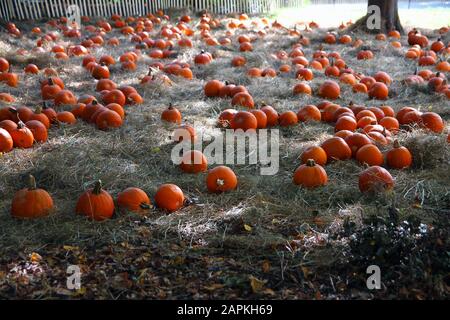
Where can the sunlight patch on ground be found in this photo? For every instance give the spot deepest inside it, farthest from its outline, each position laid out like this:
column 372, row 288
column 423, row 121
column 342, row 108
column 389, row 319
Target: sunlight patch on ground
column 332, row 15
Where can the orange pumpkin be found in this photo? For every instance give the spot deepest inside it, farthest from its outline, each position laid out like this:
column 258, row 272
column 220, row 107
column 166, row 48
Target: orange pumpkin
column 357, row 140
column 272, row 115
column 108, row 119
column 287, row 118
column 22, row 136
column 243, row 99
column 315, row 153
column 134, row 200
column 336, row 149
column 378, row 91
column 169, row 197
column 310, row 175
column 244, row 120
column 6, row 141
column 96, row 203
column 194, row 162
column 40, row 132
column 221, row 179
column 66, row 117
column 370, row 154
column 329, row 90
column 309, row 113
column 432, row 121
column 375, row 179
column 31, row 202
column 398, row 157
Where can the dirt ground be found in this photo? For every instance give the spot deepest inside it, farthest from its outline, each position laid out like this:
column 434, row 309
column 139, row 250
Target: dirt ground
column 269, row 239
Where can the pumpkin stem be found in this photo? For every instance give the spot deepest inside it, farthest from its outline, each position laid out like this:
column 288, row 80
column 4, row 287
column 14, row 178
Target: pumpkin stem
column 94, row 102
column 38, row 110
column 97, row 187
column 145, row 206
column 12, row 110
column 396, row 144
column 50, row 81
column 31, row 182
column 20, row 124
column 220, row 182
column 310, row 163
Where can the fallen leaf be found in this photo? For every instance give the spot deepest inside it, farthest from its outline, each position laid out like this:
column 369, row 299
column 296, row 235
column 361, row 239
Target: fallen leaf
column 269, row 292
column 70, row 248
column 35, row 257
column 214, row 286
column 266, row 266
column 247, row 228
column 256, row 284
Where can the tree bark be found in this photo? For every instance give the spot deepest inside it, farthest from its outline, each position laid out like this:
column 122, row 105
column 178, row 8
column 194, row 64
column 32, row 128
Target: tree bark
column 390, row 19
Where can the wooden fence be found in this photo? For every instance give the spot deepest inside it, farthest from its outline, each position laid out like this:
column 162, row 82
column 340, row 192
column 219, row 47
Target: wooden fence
column 36, row 9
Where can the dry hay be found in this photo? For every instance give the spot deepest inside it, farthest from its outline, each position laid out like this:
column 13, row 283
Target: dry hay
column 138, row 154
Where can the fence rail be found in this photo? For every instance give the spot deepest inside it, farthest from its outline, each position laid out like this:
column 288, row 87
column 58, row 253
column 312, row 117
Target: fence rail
column 36, row 9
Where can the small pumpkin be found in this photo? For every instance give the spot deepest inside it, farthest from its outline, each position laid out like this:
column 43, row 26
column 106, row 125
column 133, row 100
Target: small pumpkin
column 40, row 116
column 65, row 97
column 345, row 123
column 272, row 115
column 31, row 202
column 184, row 132
column 329, row 90
column 287, row 118
column 375, row 179
column 244, row 120
column 357, row 140
column 336, row 149
column 194, row 161
column 398, row 157
column 100, row 72
column 243, row 99
column 114, row 96
column 212, row 88
column 134, row 200
column 221, row 179
column 96, row 203
column 171, row 114
column 226, row 116
column 432, row 121
column 6, row 141
column 66, row 117
column 315, row 153
column 22, row 136
column 261, row 118
column 40, row 132
column 369, row 154
column 378, row 91
column 309, row 113
column 169, row 197
column 310, row 175
column 108, row 119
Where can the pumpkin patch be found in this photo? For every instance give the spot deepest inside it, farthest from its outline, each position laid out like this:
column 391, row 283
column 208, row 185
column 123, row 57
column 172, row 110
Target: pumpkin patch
column 151, row 133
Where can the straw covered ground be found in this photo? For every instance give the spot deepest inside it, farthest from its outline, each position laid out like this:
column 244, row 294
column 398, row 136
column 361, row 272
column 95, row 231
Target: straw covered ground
column 269, row 238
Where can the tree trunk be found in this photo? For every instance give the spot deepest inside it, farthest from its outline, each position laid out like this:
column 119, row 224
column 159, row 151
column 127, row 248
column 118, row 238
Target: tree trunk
column 389, row 17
